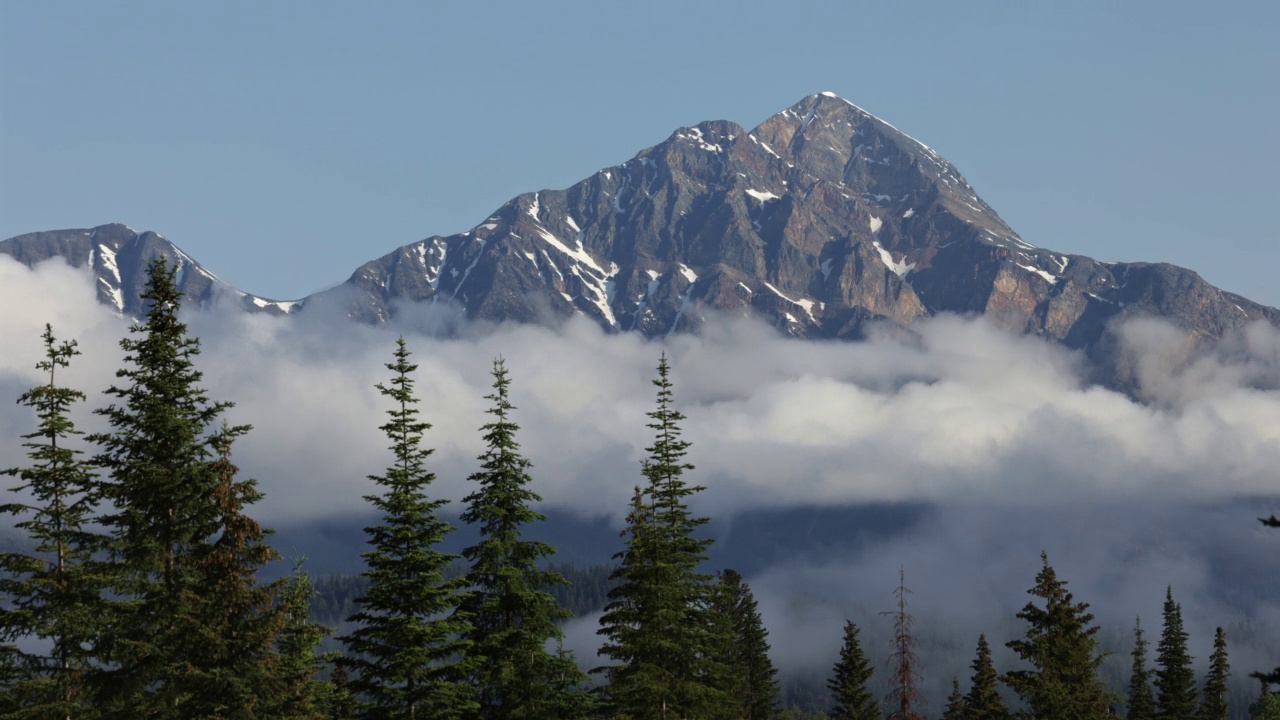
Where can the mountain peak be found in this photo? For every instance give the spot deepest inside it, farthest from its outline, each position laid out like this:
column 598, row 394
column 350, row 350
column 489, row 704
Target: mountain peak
column 823, row 220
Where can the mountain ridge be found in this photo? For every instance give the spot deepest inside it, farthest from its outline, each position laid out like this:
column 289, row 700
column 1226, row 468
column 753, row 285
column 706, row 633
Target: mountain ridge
column 823, row 219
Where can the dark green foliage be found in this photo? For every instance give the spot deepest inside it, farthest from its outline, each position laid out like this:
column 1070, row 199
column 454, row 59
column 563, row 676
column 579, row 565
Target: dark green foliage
column 53, row 593
column 795, row 713
column 230, row 666
column 512, row 615
column 1061, row 646
column 1266, row 707
column 851, row 698
column 1141, row 699
column 407, row 648
column 1213, row 706
column 568, row 695
column 339, row 704
column 585, row 591
column 955, row 703
column 752, row 676
column 1175, row 680
column 171, row 498
column 660, row 627
column 983, row 701
column 301, row 696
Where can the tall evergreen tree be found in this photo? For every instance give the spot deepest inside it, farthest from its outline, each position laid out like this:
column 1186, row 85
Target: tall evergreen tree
column 1266, row 707
column 850, row 695
column 955, row 702
column 660, row 626
column 1175, row 680
column 983, row 701
column 512, row 614
column 301, row 696
column 570, row 696
column 903, row 693
column 167, row 510
column 53, row 593
column 231, row 667
column 753, row 677
column 1061, row 645
column 1213, row 706
column 407, row 649
column 1142, row 700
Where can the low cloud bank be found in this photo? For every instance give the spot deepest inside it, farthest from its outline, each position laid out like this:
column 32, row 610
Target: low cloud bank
column 1001, row 436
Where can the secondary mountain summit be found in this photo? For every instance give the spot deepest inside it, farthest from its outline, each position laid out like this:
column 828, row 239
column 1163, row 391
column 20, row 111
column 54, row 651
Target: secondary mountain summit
column 822, row 219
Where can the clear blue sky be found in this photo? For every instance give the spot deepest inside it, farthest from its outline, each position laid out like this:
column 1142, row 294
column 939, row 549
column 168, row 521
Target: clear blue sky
column 284, row 143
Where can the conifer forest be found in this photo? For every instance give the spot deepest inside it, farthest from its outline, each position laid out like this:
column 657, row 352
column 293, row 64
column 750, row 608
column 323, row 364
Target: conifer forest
column 141, row 592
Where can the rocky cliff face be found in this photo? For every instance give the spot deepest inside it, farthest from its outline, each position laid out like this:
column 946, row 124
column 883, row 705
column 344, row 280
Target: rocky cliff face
column 119, row 256
column 820, row 220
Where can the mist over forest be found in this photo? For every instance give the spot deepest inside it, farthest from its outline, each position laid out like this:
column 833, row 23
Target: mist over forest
column 955, row 452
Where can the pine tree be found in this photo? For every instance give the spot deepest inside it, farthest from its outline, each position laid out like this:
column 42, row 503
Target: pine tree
column 1266, row 707
column 53, row 594
column 753, row 677
column 1142, row 700
column 851, row 698
column 511, row 612
column 983, row 701
column 1175, row 680
column 160, row 488
column 569, row 694
column 1214, row 704
column 903, row 693
column 231, row 668
column 660, row 625
column 176, row 524
column 955, row 709
column 300, row 696
column 407, row 650
column 1061, row 645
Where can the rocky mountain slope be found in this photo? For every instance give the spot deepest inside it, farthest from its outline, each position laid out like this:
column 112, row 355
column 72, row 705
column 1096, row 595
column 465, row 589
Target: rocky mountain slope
column 822, row 219
column 119, row 255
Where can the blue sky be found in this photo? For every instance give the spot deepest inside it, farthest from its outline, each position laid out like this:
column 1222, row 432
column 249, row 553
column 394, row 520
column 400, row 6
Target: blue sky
column 284, row 143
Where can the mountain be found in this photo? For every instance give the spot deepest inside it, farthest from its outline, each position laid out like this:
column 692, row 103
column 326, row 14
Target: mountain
column 119, row 255
column 822, row 220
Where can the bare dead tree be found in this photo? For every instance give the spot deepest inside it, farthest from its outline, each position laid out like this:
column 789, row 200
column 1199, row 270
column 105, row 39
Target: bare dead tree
column 904, row 696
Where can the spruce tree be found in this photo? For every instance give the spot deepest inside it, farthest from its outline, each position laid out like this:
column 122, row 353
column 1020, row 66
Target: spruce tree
column 162, row 487
column 407, row 649
column 1266, row 707
column 53, row 594
column 983, row 701
column 569, row 695
column 850, row 695
column 512, row 615
column 753, row 677
column 301, row 696
column 1214, row 706
column 660, row 627
column 955, row 702
column 1061, row 646
column 1175, row 680
column 1141, row 702
column 231, row 668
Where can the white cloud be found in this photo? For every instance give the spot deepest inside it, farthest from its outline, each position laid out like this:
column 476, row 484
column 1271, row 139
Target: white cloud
column 1000, row 436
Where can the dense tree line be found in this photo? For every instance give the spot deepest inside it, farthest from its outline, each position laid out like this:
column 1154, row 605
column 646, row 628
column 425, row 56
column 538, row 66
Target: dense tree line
column 143, row 597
